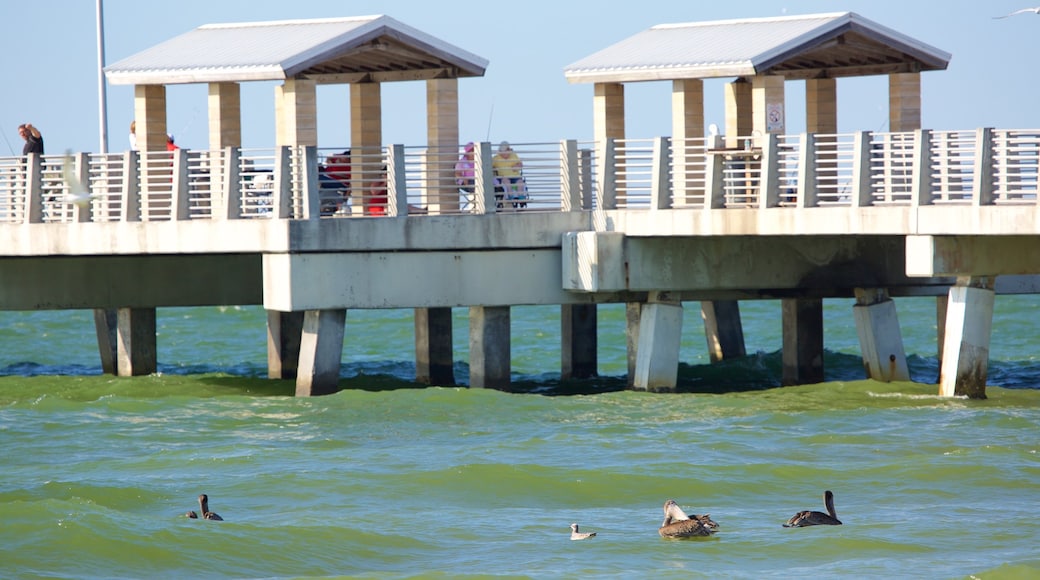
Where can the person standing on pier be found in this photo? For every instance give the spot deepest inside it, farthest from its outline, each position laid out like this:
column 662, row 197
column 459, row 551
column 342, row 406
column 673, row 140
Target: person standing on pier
column 33, row 139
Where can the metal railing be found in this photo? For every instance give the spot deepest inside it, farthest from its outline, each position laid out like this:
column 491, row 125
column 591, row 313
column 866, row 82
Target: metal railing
column 980, row 167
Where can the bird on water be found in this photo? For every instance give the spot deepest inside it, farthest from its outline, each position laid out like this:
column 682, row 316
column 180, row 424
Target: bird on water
column 677, row 524
column 811, row 518
column 204, row 509
column 576, row 535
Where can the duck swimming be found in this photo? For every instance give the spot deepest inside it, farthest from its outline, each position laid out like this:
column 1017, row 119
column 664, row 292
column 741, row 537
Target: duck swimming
column 811, row 518
column 576, row 535
column 204, row 509
column 679, row 525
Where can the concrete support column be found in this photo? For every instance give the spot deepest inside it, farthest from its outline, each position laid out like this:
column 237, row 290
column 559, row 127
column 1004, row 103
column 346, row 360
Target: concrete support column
column 366, row 143
column 608, row 109
column 880, row 340
column 660, row 334
column 225, row 116
column 296, row 113
column 489, row 347
column 633, row 310
column 442, row 141
column 687, row 124
column 433, row 347
column 941, row 306
column 904, row 102
column 723, row 329
column 969, row 321
column 767, row 102
column 821, row 106
column 321, row 352
column 803, row 341
column 136, row 353
column 106, row 324
column 284, row 332
column 739, row 122
column 579, row 343
column 150, row 117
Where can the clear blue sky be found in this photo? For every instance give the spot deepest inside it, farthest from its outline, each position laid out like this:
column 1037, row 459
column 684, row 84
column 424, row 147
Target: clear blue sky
column 50, row 53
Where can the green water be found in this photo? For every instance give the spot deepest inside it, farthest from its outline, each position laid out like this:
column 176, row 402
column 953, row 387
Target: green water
column 387, row 481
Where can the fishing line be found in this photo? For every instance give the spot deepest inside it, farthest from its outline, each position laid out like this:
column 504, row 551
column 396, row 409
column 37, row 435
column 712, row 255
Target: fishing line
column 11, row 149
column 491, row 116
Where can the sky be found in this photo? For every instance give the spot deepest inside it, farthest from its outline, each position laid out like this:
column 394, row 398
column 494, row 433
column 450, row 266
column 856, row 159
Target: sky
column 49, row 49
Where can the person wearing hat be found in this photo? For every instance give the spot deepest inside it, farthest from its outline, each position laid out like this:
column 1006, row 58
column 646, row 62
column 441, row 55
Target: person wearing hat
column 170, row 145
column 465, row 169
column 508, row 167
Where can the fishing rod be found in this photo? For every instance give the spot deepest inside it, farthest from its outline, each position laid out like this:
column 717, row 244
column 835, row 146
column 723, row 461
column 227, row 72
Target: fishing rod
column 491, row 116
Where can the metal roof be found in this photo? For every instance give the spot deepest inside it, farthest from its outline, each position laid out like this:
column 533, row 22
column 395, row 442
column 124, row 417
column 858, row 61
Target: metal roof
column 332, row 50
column 798, row 47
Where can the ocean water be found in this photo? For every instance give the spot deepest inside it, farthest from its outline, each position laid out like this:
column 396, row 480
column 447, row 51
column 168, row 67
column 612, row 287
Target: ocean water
column 387, row 480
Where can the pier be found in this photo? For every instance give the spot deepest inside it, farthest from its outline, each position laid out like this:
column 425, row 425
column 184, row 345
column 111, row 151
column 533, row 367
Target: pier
column 695, row 219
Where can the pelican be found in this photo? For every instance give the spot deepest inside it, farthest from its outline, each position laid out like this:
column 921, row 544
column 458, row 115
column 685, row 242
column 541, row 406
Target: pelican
column 811, row 518
column 1034, row 10
column 679, row 525
column 204, row 510
column 576, row 535
column 78, row 193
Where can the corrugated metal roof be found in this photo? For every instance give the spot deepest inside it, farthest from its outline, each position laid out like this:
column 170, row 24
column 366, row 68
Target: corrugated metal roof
column 809, row 46
column 328, row 50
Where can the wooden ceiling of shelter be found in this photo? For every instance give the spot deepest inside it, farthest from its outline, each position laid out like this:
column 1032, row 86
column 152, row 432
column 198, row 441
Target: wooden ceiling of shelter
column 848, row 54
column 383, row 59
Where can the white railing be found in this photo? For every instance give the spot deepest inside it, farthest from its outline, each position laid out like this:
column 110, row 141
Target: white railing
column 980, row 167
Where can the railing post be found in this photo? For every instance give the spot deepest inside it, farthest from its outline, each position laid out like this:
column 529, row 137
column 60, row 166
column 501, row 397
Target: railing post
column 33, row 188
column 714, row 177
column 131, row 200
column 282, row 183
column 606, row 189
column 808, row 193
column 483, row 179
column 861, row 193
column 396, row 182
column 769, row 181
column 310, row 195
column 82, row 173
column 588, row 191
column 921, row 170
column 231, row 208
column 982, row 174
column 570, row 179
column 180, row 185
column 660, row 176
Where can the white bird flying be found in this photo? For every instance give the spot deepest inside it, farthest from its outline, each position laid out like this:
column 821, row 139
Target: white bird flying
column 1034, row 10
column 77, row 192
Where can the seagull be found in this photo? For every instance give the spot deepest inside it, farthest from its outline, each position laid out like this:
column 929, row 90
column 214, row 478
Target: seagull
column 679, row 525
column 576, row 535
column 1034, row 10
column 811, row 518
column 78, row 193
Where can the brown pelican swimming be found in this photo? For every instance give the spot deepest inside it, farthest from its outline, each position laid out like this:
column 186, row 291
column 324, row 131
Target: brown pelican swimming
column 679, row 525
column 576, row 535
column 811, row 518
column 204, row 509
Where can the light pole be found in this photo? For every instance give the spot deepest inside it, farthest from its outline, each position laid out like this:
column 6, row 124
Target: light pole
column 102, row 95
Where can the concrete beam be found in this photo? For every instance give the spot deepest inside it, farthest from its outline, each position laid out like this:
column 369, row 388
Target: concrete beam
column 928, row 256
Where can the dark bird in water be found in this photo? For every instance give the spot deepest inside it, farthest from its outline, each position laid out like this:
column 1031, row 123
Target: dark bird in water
column 679, row 525
column 811, row 518
column 1034, row 10
column 204, row 509
column 576, row 535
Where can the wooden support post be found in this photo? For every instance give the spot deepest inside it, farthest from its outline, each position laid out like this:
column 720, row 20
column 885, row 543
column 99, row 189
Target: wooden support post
column 579, row 343
column 433, row 347
column 284, row 332
column 489, row 347
column 321, row 352
column 803, row 341
column 660, row 334
column 723, row 329
column 136, row 354
column 880, row 340
column 969, row 321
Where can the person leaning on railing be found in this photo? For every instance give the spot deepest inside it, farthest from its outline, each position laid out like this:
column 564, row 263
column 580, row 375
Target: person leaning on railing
column 33, row 139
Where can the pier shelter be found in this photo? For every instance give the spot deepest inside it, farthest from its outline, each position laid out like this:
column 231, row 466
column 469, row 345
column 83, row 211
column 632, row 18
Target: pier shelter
column 761, row 55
